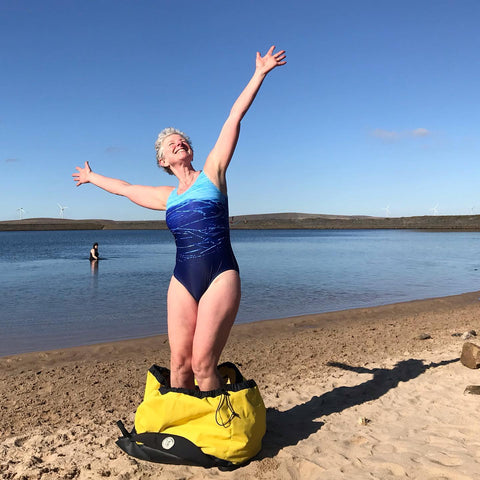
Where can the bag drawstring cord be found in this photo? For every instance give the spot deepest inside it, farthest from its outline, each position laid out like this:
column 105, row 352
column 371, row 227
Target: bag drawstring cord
column 225, row 399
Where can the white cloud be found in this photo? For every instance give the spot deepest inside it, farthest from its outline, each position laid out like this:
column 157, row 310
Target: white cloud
column 114, row 150
column 385, row 134
column 420, row 132
column 392, row 135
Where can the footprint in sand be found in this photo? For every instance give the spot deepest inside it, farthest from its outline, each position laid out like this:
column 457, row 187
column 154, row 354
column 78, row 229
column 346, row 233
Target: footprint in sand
column 383, row 447
column 394, row 469
column 445, row 460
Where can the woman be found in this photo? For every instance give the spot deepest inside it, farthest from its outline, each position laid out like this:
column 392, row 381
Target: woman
column 94, row 252
column 204, row 292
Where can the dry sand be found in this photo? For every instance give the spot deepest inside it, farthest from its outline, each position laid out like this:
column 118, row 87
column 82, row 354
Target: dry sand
column 319, row 375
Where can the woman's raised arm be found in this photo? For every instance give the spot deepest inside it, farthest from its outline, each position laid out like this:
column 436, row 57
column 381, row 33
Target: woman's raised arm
column 145, row 196
column 219, row 158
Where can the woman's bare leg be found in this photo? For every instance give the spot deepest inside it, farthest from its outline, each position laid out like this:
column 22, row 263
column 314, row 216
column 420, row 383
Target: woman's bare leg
column 182, row 319
column 216, row 313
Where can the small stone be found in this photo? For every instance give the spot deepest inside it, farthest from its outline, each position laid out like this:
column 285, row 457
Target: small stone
column 472, row 389
column 470, row 355
column 34, row 460
column 424, row 336
column 363, row 421
column 466, row 336
column 72, row 473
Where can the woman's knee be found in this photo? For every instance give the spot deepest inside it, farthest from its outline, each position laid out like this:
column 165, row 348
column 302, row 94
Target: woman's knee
column 204, row 366
column 181, row 374
column 180, row 363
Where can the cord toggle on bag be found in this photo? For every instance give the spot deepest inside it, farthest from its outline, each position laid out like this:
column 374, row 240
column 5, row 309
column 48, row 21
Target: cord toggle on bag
column 221, row 428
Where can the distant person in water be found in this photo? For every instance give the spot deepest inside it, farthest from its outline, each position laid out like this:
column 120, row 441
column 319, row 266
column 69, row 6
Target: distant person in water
column 94, row 253
column 204, row 292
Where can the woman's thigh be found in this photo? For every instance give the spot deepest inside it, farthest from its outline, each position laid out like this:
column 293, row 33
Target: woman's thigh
column 217, row 310
column 182, row 319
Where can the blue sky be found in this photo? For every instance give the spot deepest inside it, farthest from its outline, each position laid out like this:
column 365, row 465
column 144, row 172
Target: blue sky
column 376, row 112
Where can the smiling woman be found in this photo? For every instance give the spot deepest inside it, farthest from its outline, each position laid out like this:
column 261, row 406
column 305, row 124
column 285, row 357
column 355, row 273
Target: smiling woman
column 175, row 136
column 204, row 292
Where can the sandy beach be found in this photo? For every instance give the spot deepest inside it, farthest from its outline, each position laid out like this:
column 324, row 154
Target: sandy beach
column 357, row 394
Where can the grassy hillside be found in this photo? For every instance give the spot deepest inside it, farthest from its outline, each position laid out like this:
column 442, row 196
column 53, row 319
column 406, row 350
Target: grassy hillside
column 265, row 221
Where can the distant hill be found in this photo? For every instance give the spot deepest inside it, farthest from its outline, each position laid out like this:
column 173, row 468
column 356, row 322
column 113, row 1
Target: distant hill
column 331, row 222
column 265, row 221
column 67, row 224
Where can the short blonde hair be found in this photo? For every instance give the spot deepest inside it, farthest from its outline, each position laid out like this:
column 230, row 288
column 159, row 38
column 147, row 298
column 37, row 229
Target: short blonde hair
column 166, row 132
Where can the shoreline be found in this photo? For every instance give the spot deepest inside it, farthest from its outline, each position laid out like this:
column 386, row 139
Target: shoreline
column 107, row 347
column 318, row 375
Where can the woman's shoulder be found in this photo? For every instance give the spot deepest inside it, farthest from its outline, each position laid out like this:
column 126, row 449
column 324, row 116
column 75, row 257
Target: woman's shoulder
column 218, row 178
column 164, row 192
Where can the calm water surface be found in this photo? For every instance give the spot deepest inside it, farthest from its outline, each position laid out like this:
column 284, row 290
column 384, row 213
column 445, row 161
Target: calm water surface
column 51, row 298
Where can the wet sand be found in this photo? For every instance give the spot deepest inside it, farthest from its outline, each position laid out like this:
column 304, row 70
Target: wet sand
column 356, row 394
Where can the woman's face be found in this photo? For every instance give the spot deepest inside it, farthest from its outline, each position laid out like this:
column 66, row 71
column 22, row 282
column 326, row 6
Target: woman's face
column 176, row 148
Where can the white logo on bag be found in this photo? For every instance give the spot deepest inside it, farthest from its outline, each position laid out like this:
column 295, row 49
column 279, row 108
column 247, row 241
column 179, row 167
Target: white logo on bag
column 168, row 443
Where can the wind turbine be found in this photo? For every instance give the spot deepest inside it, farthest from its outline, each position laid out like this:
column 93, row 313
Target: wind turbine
column 62, row 209
column 434, row 210
column 21, row 211
column 387, row 210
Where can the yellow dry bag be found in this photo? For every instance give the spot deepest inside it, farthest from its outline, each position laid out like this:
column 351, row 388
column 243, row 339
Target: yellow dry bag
column 222, row 428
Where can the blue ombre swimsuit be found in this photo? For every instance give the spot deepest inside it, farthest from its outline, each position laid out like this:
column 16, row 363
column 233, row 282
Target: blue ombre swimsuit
column 198, row 219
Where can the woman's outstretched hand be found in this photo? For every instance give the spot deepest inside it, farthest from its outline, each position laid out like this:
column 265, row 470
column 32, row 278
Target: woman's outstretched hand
column 81, row 176
column 270, row 60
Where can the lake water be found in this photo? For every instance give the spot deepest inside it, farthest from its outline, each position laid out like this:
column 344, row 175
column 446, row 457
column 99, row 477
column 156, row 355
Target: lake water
column 50, row 298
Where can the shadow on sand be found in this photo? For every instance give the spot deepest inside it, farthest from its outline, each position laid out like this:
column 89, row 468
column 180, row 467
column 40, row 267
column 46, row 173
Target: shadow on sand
column 298, row 423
